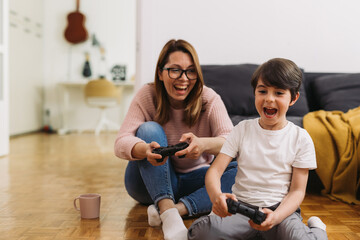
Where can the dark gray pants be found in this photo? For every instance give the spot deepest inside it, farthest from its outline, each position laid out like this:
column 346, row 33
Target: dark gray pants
column 237, row 227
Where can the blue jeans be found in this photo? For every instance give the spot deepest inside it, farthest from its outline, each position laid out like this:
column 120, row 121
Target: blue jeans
column 149, row 184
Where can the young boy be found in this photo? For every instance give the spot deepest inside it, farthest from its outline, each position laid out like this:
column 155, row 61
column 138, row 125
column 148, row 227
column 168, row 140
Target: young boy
column 274, row 157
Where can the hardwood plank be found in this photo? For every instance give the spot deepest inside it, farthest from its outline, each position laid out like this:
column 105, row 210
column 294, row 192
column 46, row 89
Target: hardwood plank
column 44, row 173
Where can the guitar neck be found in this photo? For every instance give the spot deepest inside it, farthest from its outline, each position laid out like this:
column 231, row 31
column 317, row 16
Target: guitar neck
column 77, row 5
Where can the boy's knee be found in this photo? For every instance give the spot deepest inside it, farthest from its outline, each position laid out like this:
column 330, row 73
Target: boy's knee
column 200, row 229
column 292, row 228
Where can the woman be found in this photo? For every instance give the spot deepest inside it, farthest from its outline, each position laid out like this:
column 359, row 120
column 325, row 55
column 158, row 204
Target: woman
column 177, row 107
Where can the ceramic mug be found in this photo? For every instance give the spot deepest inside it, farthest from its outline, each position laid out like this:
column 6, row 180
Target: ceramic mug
column 89, row 205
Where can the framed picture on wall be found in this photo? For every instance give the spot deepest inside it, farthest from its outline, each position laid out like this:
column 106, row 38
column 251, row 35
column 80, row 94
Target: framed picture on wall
column 118, row 72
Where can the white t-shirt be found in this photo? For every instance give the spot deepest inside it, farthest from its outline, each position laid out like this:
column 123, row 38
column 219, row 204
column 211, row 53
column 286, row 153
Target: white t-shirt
column 265, row 160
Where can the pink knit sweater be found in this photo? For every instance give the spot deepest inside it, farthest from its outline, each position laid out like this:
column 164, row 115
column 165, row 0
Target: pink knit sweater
column 213, row 122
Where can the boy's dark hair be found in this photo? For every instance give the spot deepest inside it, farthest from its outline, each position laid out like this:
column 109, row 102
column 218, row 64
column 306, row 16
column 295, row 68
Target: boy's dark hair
column 280, row 73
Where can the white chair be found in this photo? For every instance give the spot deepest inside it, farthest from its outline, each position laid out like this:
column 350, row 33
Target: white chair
column 103, row 94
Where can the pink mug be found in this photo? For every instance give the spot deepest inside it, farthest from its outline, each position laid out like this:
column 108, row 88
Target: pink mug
column 89, row 205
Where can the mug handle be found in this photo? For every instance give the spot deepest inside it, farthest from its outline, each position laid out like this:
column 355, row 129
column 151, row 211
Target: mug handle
column 75, row 204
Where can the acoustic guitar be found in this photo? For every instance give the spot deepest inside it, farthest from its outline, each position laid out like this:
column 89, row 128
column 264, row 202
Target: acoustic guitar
column 75, row 31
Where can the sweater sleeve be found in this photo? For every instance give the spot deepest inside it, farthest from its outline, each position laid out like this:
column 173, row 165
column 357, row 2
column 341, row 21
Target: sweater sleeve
column 142, row 109
column 220, row 122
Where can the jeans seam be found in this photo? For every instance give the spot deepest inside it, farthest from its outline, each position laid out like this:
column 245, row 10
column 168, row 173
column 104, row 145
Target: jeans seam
column 190, row 205
column 161, row 197
column 168, row 192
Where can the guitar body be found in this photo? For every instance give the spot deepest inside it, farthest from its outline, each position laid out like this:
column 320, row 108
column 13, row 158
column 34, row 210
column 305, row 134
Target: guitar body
column 75, row 31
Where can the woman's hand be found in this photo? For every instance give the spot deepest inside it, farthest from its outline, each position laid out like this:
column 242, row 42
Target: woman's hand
column 219, row 204
column 270, row 221
column 195, row 148
column 151, row 157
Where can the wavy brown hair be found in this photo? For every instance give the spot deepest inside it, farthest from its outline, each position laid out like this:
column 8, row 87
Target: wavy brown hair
column 193, row 102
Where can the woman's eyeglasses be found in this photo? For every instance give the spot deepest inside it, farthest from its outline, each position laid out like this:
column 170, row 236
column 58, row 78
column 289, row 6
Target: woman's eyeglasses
column 175, row 73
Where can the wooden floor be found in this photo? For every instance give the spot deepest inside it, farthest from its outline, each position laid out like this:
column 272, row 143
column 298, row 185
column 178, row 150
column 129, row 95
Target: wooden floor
column 44, row 173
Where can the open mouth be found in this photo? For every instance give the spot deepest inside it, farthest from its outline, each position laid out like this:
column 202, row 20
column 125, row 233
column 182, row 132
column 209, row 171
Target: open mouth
column 270, row 112
column 180, row 88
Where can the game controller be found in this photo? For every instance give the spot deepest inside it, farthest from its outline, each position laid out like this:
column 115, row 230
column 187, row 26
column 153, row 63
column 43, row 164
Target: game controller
column 170, row 150
column 255, row 215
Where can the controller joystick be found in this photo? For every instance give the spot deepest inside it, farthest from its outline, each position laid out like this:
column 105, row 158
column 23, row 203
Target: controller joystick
column 170, row 150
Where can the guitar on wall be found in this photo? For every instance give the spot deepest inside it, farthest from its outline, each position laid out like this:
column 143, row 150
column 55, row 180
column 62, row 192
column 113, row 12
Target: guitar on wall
column 75, row 31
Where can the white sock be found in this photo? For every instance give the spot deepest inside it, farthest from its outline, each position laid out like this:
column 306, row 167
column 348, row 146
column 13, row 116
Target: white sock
column 153, row 216
column 211, row 213
column 173, row 226
column 316, row 222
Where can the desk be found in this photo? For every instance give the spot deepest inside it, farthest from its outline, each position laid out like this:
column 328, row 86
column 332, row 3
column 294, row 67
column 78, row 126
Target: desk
column 65, row 91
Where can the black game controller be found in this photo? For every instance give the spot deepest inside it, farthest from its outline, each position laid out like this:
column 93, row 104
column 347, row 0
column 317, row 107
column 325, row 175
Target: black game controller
column 170, row 150
column 255, row 215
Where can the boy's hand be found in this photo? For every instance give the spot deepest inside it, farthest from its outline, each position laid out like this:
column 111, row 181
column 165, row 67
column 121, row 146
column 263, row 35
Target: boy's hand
column 270, row 221
column 219, row 204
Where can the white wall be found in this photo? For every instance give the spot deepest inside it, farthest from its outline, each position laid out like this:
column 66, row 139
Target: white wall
column 25, row 65
column 4, row 78
column 320, row 35
column 113, row 22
